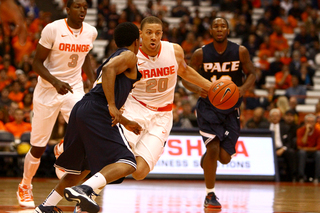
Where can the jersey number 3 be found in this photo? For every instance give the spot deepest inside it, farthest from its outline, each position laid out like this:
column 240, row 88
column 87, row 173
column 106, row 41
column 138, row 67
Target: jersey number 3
column 74, row 60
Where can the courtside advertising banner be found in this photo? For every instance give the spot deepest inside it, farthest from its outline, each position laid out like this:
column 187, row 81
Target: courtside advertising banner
column 182, row 154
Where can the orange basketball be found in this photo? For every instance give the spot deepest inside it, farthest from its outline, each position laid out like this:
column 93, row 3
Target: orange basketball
column 223, row 94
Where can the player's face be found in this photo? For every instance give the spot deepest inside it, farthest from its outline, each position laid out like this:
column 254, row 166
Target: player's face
column 219, row 30
column 151, row 35
column 77, row 12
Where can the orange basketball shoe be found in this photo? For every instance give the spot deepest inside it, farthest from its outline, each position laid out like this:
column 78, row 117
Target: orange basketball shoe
column 25, row 196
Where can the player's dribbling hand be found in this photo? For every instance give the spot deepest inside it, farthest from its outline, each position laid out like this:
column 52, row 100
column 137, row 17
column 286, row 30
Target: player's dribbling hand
column 62, row 87
column 203, row 93
column 133, row 127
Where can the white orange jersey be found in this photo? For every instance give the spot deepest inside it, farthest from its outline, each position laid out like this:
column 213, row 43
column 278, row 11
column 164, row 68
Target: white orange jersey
column 68, row 50
column 159, row 77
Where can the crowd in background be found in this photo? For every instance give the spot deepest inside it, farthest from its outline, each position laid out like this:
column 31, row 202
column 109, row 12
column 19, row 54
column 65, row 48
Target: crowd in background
column 293, row 64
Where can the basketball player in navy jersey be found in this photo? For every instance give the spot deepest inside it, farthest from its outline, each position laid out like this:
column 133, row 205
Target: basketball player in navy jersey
column 94, row 140
column 220, row 129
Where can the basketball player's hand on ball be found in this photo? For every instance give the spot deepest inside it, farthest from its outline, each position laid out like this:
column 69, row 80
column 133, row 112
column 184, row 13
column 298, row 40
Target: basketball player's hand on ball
column 62, row 87
column 203, row 93
column 133, row 127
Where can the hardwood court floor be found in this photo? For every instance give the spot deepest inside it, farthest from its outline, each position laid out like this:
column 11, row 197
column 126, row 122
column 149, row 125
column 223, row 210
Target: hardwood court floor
column 179, row 196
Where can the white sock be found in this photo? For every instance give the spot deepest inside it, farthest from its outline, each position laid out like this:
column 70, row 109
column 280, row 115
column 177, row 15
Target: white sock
column 210, row 190
column 96, row 181
column 31, row 165
column 53, row 199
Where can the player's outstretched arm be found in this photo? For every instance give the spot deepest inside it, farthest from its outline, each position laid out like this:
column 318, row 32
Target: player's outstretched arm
column 88, row 70
column 188, row 73
column 40, row 56
column 117, row 65
column 195, row 63
column 248, row 69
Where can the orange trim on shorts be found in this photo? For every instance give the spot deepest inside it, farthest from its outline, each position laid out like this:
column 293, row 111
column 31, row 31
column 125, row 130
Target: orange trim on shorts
column 156, row 109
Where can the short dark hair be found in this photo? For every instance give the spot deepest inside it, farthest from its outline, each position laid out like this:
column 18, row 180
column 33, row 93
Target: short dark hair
column 69, row 3
column 150, row 20
column 125, row 34
column 221, row 18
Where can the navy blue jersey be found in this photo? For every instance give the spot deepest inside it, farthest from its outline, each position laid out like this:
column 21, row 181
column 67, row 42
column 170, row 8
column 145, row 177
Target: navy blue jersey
column 123, row 84
column 225, row 65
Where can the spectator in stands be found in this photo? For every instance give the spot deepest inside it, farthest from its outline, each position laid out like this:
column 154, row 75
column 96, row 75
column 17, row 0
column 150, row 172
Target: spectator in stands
column 8, row 66
column 112, row 15
column 149, row 9
column 291, row 120
column 276, row 65
column 131, row 11
column 5, row 101
column 187, row 117
column 110, row 48
column 242, row 28
column 103, row 7
column 159, row 7
column 295, row 64
column 252, row 101
column 266, row 46
column 18, row 126
column 179, row 10
column 189, row 45
column 285, row 56
column 297, row 90
column 287, row 23
column 282, row 103
column 4, row 79
column 266, row 21
column 274, row 8
column 313, row 19
column 283, row 78
column 263, row 60
column 27, row 106
column 305, row 77
column 4, row 117
column 260, row 77
column 302, row 36
column 228, row 6
column 308, row 143
column 252, row 45
column 286, row 5
column 258, row 121
column 15, row 93
column 277, row 40
column 284, row 143
column 32, row 9
column 176, row 118
column 293, row 102
column 296, row 10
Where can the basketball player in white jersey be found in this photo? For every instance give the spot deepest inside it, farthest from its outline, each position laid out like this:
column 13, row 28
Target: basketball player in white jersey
column 150, row 103
column 61, row 54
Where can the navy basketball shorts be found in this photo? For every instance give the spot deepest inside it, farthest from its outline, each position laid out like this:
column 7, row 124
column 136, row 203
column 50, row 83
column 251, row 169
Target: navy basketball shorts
column 90, row 142
column 216, row 124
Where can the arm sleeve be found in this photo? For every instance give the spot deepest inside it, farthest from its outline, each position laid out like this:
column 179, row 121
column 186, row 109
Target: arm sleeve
column 48, row 35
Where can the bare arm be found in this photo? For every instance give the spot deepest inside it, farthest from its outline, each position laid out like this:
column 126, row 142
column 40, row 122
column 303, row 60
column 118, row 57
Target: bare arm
column 40, row 56
column 88, row 70
column 248, row 69
column 11, row 13
column 188, row 73
column 195, row 63
column 114, row 67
